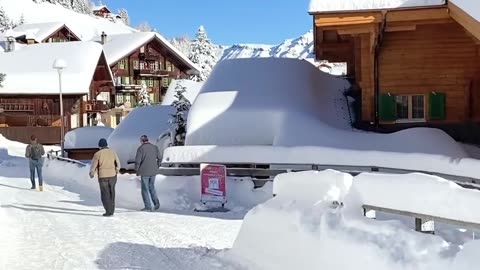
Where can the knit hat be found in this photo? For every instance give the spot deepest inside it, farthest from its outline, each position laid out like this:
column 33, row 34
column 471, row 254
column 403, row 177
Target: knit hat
column 102, row 143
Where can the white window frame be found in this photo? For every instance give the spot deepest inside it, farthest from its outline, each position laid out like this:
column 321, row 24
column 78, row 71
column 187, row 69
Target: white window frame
column 410, row 118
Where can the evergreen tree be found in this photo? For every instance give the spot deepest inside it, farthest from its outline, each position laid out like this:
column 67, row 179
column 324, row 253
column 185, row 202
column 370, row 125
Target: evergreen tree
column 22, row 20
column 143, row 96
column 123, row 13
column 5, row 22
column 2, row 78
column 203, row 54
column 145, row 27
column 178, row 122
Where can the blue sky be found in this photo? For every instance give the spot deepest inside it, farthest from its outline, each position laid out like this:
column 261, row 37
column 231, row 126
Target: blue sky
column 226, row 21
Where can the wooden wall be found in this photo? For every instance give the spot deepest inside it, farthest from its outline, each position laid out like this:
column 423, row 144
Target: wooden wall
column 435, row 57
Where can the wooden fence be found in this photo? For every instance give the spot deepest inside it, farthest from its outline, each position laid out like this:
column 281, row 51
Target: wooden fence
column 45, row 135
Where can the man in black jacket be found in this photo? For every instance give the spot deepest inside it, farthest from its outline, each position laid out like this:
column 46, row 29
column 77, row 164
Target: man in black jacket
column 147, row 162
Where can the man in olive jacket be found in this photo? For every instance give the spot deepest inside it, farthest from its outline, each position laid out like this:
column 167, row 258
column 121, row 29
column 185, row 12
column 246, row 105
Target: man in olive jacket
column 147, row 162
column 106, row 164
column 34, row 152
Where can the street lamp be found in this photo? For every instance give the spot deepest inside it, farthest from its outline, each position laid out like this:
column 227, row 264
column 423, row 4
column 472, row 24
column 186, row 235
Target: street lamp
column 60, row 64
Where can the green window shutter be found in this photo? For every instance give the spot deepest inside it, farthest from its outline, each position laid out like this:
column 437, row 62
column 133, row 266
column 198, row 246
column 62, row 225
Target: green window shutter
column 387, row 111
column 437, row 106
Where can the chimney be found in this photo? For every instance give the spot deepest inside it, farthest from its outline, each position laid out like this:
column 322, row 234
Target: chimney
column 10, row 44
column 104, row 38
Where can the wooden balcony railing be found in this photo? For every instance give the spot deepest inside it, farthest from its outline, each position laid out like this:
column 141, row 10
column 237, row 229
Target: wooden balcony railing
column 151, row 72
column 96, row 106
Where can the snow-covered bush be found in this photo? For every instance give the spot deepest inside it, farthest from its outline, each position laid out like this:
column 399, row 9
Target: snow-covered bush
column 143, row 96
column 178, row 122
column 203, row 53
column 2, row 78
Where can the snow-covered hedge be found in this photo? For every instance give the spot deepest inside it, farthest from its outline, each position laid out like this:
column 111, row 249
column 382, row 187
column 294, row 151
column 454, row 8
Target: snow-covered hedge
column 86, row 137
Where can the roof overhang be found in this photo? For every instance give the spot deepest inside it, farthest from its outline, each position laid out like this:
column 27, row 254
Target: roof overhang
column 464, row 19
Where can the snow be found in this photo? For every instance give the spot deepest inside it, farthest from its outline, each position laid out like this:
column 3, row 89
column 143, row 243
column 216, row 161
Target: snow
column 39, row 31
column 470, row 7
column 193, row 88
column 84, row 26
column 228, row 109
column 37, row 61
column 120, row 46
column 301, row 229
column 351, row 5
column 148, row 120
column 62, row 227
column 86, row 137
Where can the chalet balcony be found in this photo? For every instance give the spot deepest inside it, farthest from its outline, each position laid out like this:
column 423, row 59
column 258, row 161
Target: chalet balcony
column 96, row 106
column 127, row 88
column 151, row 72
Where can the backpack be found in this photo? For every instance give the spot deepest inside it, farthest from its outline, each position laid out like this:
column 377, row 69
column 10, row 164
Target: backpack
column 36, row 152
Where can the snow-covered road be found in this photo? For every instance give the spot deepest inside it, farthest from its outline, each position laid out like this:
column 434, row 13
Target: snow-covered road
column 57, row 230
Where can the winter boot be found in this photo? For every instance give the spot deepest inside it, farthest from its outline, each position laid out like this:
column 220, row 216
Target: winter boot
column 33, row 187
column 40, row 188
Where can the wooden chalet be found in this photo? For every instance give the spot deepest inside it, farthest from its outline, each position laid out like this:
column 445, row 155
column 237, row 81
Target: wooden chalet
column 42, row 33
column 409, row 66
column 143, row 58
column 29, row 98
column 101, row 11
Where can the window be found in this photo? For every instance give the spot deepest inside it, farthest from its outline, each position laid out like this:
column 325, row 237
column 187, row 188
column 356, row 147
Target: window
column 152, row 98
column 118, row 118
column 168, row 66
column 119, row 99
column 125, row 80
column 127, row 98
column 142, row 49
column 157, row 65
column 135, row 64
column 410, row 107
column 121, row 64
column 142, row 65
column 173, row 68
column 165, row 82
column 150, row 82
column 152, row 65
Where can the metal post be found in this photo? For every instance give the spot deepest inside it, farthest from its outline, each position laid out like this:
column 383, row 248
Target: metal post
column 62, row 128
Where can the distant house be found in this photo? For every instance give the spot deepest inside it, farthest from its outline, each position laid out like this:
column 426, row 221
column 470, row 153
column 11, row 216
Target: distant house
column 29, row 98
column 142, row 58
column 412, row 65
column 101, row 11
column 49, row 32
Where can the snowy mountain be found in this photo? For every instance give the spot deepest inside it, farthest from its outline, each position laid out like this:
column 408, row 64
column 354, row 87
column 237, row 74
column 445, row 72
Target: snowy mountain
column 71, row 12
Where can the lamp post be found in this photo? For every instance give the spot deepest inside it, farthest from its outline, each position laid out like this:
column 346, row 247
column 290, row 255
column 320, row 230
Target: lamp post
column 60, row 65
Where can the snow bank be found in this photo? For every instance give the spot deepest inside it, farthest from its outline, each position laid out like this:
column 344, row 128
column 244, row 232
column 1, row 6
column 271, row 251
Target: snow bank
column 86, row 137
column 37, row 61
column 245, row 95
column 301, row 229
column 193, row 88
column 174, row 193
column 148, row 120
column 84, row 26
column 469, row 6
column 351, row 5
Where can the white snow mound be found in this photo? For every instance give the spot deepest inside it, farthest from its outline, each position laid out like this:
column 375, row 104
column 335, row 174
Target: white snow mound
column 301, row 229
column 86, row 137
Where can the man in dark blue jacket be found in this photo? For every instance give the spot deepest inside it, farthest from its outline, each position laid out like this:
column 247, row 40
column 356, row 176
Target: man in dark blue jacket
column 147, row 162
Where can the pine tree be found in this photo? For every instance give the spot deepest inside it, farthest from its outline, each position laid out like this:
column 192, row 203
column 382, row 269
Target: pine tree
column 203, row 54
column 123, row 13
column 22, row 20
column 145, row 27
column 143, row 96
column 178, row 122
column 5, row 22
column 2, row 78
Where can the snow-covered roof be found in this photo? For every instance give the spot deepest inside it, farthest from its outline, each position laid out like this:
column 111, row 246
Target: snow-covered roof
column 353, row 5
column 192, row 87
column 120, row 46
column 30, row 71
column 38, row 31
column 100, row 7
column 86, row 137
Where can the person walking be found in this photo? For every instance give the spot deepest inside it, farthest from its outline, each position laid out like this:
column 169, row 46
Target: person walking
column 34, row 153
column 106, row 165
column 147, row 162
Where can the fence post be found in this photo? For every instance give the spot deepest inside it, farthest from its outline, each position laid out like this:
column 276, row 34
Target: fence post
column 425, row 225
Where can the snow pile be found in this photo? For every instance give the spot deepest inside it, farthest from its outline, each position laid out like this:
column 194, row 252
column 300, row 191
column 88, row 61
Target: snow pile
column 229, row 107
column 351, row 5
column 84, row 26
column 301, row 228
column 174, row 193
column 86, row 137
column 148, row 120
column 469, row 6
column 38, row 31
column 35, row 62
column 192, row 87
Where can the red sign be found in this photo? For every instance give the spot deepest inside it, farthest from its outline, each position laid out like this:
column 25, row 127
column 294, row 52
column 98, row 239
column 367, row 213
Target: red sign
column 214, row 179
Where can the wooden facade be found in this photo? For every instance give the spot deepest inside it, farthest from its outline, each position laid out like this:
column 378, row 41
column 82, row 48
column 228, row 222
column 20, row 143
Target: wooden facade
column 410, row 66
column 63, row 34
column 151, row 64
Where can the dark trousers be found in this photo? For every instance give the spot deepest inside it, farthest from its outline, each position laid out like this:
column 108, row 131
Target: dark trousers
column 107, row 193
